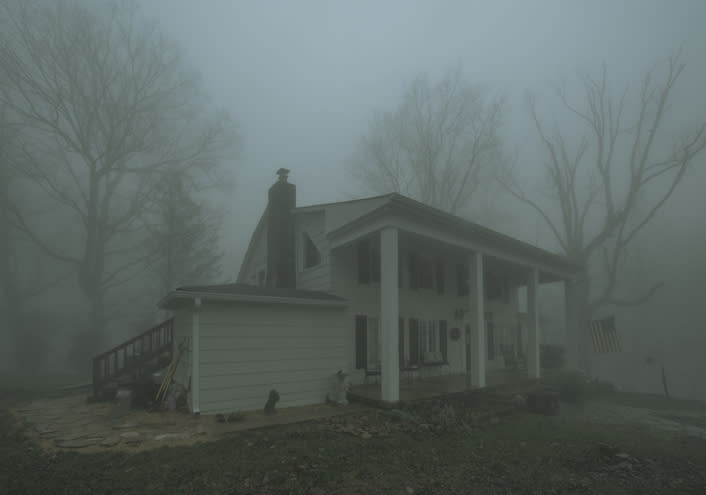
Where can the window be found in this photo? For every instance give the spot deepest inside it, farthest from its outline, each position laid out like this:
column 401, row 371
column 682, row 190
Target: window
column 312, row 256
column 440, row 276
column 421, row 272
column 496, row 287
column 462, row 288
column 368, row 262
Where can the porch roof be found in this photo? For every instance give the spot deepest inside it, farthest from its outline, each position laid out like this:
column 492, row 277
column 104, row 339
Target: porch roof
column 421, row 214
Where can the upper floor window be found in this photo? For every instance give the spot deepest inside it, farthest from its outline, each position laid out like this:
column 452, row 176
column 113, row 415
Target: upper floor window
column 368, row 262
column 421, row 272
column 462, row 288
column 312, row 255
column 497, row 287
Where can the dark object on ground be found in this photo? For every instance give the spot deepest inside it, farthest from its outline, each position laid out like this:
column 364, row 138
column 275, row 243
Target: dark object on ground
column 271, row 402
column 220, row 418
column 543, row 402
column 234, row 417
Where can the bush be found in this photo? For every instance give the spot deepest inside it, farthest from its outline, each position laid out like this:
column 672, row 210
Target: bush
column 551, row 357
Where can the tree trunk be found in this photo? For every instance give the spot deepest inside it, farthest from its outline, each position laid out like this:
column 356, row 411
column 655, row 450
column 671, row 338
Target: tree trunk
column 664, row 383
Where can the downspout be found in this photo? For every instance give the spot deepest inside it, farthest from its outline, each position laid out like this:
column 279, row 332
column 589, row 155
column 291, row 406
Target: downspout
column 195, row 361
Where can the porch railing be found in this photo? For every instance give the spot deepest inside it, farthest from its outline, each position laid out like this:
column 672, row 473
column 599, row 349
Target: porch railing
column 132, row 354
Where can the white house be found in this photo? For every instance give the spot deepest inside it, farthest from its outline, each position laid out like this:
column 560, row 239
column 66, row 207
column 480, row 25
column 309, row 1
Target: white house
column 375, row 287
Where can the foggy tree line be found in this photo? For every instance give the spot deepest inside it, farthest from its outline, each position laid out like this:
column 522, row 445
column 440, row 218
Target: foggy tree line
column 108, row 144
column 110, row 152
column 444, row 141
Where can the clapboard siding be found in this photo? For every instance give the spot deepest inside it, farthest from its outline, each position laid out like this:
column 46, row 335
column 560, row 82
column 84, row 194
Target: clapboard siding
column 248, row 349
column 316, row 277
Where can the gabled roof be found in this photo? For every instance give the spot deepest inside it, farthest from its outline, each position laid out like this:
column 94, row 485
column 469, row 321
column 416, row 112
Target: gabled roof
column 249, row 293
column 251, row 244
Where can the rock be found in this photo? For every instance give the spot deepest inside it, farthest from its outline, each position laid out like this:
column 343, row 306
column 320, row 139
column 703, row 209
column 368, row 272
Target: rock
column 110, row 441
column 123, row 426
column 43, row 428
column 131, row 437
column 171, row 436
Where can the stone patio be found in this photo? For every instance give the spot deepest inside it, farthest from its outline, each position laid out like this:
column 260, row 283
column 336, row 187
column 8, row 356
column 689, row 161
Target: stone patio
column 71, row 423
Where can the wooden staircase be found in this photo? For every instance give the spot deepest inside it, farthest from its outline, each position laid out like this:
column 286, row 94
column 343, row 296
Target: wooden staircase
column 131, row 360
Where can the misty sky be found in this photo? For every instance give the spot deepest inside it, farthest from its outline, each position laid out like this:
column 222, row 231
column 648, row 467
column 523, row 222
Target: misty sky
column 302, row 77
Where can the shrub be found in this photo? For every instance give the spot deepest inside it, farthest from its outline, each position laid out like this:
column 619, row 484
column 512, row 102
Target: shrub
column 551, row 357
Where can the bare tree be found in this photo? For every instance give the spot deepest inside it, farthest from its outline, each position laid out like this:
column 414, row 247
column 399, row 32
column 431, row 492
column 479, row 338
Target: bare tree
column 184, row 236
column 107, row 106
column 613, row 181
column 434, row 145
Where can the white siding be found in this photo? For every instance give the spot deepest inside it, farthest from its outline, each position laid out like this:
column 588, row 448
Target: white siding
column 340, row 214
column 248, row 349
column 316, row 277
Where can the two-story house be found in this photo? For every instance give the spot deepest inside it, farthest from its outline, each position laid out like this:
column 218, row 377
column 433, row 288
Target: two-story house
column 377, row 287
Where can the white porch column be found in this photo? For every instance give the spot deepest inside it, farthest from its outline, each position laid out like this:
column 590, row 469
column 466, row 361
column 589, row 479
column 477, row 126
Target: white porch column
column 533, row 365
column 571, row 325
column 389, row 315
column 477, row 294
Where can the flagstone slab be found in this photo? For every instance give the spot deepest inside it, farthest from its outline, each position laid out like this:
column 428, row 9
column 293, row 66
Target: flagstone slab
column 44, row 428
column 77, row 443
column 171, row 436
column 110, row 441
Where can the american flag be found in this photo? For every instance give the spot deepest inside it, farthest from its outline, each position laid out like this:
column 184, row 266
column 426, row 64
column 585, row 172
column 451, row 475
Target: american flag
column 604, row 335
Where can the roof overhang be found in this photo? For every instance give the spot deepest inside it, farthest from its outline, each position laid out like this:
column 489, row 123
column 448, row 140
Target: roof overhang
column 412, row 216
column 182, row 298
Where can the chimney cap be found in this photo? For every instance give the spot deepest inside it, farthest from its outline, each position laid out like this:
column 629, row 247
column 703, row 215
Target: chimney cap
column 283, row 173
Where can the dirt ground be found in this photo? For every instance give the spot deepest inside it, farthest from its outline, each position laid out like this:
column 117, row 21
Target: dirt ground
column 475, row 443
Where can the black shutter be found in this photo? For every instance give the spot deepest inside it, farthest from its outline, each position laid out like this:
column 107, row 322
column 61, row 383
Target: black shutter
column 443, row 340
column 413, row 341
column 363, row 262
column 413, row 272
column 460, row 280
column 375, row 264
column 440, row 276
column 401, row 343
column 490, row 335
column 361, row 342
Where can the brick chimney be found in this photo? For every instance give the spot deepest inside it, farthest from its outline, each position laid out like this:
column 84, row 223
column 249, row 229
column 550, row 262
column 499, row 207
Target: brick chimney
column 281, row 261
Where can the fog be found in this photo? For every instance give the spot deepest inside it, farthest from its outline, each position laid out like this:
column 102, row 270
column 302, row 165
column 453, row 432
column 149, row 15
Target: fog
column 301, row 81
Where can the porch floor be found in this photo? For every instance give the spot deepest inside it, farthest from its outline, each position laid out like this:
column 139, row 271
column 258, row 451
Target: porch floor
column 437, row 386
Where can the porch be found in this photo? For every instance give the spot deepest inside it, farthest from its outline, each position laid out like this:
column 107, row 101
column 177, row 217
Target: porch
column 444, row 295
column 437, row 386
